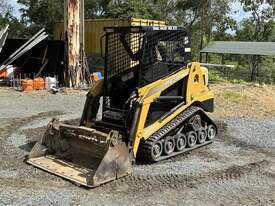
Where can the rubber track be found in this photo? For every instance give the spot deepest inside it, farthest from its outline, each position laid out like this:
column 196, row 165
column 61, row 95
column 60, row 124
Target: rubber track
column 145, row 146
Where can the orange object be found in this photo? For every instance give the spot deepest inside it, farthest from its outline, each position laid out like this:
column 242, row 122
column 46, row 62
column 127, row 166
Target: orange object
column 94, row 77
column 38, row 84
column 27, row 85
column 3, row 73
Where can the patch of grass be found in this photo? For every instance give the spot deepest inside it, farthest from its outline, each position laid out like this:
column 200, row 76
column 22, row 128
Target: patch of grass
column 215, row 76
column 234, row 97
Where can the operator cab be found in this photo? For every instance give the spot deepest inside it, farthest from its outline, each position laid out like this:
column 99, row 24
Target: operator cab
column 135, row 57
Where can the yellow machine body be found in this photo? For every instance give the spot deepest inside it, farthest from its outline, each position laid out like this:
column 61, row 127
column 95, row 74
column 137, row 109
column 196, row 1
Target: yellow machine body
column 197, row 91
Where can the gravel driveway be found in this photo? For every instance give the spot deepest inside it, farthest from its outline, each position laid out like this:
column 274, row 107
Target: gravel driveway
column 237, row 169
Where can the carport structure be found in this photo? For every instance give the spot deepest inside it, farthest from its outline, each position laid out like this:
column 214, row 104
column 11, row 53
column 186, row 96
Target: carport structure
column 255, row 50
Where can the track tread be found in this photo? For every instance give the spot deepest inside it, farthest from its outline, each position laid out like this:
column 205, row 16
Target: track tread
column 145, row 147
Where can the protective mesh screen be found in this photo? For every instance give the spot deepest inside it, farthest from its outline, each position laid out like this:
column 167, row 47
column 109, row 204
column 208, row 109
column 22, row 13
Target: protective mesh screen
column 164, row 52
column 123, row 52
column 138, row 57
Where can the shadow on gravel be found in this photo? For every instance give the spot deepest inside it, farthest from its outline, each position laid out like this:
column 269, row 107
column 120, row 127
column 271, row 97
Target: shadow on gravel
column 222, row 128
column 27, row 147
column 72, row 122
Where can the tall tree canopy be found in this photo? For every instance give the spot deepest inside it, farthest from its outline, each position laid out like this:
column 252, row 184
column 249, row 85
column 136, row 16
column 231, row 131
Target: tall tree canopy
column 4, row 8
column 41, row 13
column 206, row 19
column 16, row 28
column 129, row 8
column 260, row 26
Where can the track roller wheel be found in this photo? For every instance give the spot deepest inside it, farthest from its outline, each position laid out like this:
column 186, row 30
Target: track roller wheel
column 156, row 150
column 211, row 132
column 191, row 139
column 169, row 145
column 202, row 136
column 180, row 142
column 195, row 122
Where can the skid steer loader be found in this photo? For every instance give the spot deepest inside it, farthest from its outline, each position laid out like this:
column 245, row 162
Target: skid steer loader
column 150, row 106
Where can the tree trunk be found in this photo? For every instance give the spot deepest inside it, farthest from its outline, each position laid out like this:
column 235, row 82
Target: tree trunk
column 73, row 35
column 254, row 68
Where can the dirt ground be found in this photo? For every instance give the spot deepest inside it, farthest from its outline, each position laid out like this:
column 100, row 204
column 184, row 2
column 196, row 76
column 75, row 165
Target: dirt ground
column 248, row 101
column 237, row 169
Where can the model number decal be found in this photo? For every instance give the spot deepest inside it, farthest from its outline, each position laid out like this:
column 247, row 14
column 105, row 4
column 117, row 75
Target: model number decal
column 164, row 85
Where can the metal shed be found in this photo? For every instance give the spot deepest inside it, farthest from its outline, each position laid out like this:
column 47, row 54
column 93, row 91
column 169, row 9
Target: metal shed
column 254, row 49
column 241, row 47
column 94, row 30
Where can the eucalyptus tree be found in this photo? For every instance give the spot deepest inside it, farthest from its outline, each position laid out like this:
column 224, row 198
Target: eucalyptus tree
column 260, row 26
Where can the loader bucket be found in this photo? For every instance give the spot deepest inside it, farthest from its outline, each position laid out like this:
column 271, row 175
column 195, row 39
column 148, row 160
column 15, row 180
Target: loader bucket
column 82, row 155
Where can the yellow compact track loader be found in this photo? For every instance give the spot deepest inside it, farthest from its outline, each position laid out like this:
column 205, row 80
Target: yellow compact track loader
column 150, row 106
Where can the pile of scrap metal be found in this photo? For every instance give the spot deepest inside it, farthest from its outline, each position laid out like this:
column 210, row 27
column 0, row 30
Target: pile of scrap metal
column 7, row 71
column 36, row 39
column 3, row 36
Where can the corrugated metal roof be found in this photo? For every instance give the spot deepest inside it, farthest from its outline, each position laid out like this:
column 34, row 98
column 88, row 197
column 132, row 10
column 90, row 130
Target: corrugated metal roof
column 240, row 47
